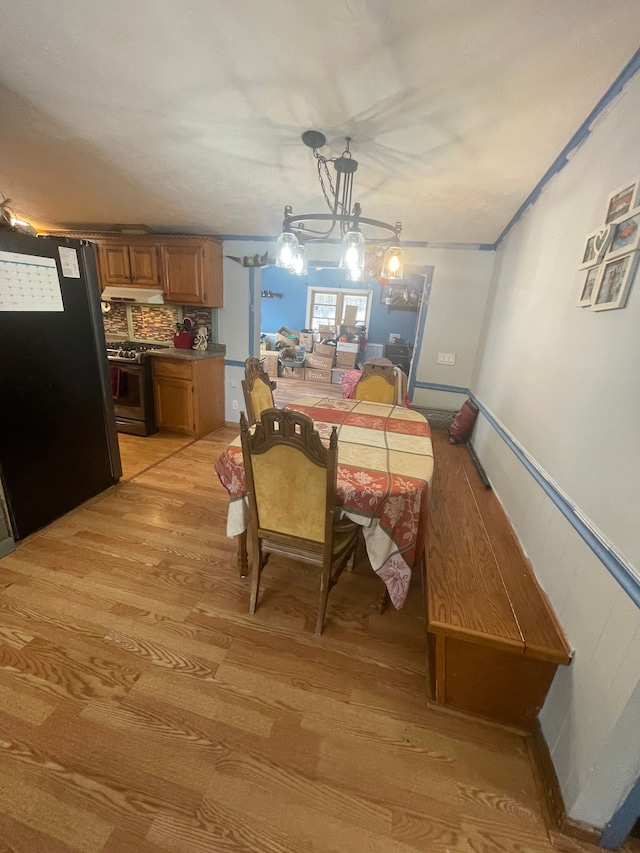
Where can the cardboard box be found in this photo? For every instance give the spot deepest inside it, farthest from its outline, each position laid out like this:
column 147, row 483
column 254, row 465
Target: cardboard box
column 327, row 331
column 306, row 341
column 350, row 315
column 271, row 363
column 325, row 349
column 287, row 336
column 319, row 362
column 345, row 347
column 293, row 372
column 336, row 375
column 313, row 375
column 346, row 360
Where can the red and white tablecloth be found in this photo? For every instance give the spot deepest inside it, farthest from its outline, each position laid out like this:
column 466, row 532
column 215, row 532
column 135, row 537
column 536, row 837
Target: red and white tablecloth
column 385, row 465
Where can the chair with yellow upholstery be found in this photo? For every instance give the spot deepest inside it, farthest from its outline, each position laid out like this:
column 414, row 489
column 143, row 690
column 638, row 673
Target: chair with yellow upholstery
column 257, row 389
column 377, row 384
column 284, row 448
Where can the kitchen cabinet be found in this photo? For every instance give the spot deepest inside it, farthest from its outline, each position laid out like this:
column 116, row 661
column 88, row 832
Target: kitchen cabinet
column 189, row 394
column 128, row 264
column 188, row 268
column 192, row 272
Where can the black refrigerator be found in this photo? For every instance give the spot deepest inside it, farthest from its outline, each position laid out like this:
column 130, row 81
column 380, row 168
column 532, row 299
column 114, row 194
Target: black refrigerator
column 58, row 440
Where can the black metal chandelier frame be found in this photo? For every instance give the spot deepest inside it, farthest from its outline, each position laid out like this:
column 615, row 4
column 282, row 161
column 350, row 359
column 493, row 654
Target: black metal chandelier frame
column 338, row 199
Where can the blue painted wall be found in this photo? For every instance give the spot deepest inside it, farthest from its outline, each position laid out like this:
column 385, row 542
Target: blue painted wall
column 290, row 309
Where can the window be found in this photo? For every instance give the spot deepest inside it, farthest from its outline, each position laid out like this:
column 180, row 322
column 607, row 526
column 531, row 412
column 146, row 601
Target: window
column 327, row 307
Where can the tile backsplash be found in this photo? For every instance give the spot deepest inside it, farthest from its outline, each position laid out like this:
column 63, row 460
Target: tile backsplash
column 152, row 322
column 115, row 321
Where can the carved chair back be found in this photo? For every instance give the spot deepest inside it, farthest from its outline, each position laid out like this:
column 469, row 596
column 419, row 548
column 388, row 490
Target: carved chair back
column 256, row 389
column 377, row 384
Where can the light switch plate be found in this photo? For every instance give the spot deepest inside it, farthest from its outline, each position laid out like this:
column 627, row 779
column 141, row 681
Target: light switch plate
column 446, row 358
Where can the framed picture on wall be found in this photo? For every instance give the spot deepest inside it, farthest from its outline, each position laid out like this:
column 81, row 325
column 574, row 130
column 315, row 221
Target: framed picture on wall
column 614, row 282
column 586, row 292
column 626, row 236
column 400, row 297
column 622, row 200
column 595, row 246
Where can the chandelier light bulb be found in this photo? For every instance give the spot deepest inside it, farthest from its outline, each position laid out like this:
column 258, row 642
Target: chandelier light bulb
column 300, row 263
column 353, row 255
column 286, row 250
column 393, row 263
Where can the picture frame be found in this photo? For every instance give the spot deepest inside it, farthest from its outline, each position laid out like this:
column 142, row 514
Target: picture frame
column 596, row 245
column 626, row 235
column 400, row 297
column 622, row 200
column 614, row 282
column 589, row 253
column 588, row 286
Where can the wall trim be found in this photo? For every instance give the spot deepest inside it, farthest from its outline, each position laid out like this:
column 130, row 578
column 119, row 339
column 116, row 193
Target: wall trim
column 437, row 386
column 230, row 362
column 615, row 564
column 623, row 820
column 629, row 71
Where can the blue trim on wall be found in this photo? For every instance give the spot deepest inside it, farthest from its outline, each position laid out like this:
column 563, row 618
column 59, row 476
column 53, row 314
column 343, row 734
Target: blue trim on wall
column 613, row 562
column 437, row 386
column 230, row 362
column 632, row 67
column 623, row 820
column 252, row 309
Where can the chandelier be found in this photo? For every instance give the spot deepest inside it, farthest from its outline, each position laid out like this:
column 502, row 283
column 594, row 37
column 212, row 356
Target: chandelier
column 343, row 218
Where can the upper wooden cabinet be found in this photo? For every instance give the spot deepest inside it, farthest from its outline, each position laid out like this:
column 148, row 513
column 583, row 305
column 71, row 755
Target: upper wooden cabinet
column 186, row 267
column 192, row 272
column 134, row 264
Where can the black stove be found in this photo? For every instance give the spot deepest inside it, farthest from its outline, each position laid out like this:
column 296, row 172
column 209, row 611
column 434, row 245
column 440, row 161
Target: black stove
column 132, row 386
column 128, row 351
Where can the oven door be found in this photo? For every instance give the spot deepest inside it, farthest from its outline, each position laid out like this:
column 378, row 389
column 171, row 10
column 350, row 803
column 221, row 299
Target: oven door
column 132, row 397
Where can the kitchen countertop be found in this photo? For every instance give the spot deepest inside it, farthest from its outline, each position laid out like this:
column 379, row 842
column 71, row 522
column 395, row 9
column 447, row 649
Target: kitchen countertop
column 187, row 354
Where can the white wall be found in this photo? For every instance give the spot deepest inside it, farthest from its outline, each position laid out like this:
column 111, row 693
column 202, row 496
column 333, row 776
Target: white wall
column 563, row 381
column 459, row 291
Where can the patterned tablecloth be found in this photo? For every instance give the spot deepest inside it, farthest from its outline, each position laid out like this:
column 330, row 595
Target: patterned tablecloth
column 385, row 464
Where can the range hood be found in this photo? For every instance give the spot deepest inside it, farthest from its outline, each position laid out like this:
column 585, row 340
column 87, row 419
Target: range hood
column 139, row 295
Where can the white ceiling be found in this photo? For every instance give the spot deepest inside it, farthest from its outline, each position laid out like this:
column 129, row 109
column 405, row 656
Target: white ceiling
column 186, row 114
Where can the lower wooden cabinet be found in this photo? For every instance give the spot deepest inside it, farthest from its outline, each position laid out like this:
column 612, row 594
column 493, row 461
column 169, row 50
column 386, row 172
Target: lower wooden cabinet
column 189, row 395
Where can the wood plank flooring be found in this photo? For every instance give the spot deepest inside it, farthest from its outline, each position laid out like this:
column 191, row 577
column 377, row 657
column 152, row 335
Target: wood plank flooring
column 139, row 452
column 143, row 710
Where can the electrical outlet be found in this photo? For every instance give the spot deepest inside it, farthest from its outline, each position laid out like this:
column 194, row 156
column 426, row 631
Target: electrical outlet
column 233, row 383
column 235, row 405
column 446, row 358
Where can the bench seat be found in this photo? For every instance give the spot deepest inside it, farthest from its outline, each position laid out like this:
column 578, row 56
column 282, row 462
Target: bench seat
column 494, row 640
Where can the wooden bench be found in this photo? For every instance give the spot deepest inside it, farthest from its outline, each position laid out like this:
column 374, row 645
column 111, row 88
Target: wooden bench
column 494, row 640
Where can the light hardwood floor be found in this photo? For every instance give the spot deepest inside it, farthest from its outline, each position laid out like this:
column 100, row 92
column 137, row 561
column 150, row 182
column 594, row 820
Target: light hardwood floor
column 139, row 452
column 142, row 709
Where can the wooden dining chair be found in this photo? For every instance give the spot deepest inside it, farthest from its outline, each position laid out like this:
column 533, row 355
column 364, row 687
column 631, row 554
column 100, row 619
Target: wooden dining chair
column 257, row 389
column 377, row 384
column 305, row 525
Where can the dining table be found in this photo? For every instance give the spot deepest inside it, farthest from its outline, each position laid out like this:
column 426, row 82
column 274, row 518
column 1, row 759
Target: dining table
column 385, row 467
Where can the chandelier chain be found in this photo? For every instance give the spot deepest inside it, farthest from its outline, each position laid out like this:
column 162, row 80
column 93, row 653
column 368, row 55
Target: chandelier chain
column 322, row 161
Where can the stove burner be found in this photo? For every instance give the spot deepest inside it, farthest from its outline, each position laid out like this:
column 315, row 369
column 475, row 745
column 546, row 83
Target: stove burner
column 128, row 350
